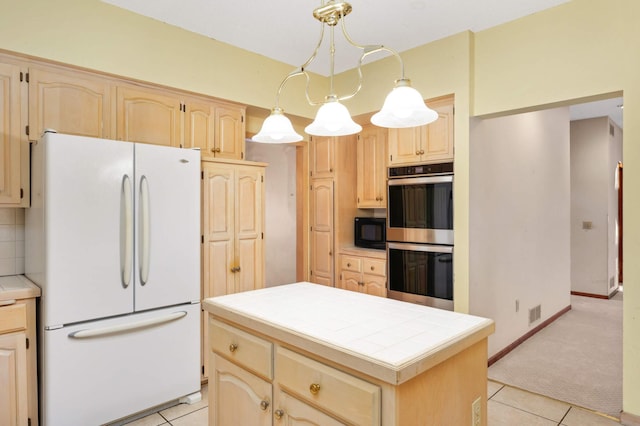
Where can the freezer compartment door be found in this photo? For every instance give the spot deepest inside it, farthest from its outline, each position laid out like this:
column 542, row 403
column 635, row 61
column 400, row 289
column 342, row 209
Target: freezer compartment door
column 168, row 226
column 83, row 215
column 101, row 371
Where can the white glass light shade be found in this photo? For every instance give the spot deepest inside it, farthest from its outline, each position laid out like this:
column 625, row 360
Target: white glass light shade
column 276, row 129
column 404, row 107
column 333, row 119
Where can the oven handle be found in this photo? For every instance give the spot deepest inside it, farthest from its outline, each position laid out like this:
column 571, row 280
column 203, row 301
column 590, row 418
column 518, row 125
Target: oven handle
column 421, row 247
column 420, row 180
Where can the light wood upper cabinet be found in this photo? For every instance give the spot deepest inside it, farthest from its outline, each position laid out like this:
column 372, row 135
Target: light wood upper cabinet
column 432, row 143
column 199, row 123
column 372, row 167
column 233, row 231
column 229, row 132
column 68, row 102
column 322, row 156
column 14, row 149
column 148, row 116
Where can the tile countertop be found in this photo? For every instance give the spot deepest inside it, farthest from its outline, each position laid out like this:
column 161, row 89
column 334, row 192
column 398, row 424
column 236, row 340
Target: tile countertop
column 388, row 339
column 17, row 287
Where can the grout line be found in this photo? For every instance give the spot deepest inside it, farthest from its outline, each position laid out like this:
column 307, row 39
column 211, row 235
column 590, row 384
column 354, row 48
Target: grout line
column 565, row 415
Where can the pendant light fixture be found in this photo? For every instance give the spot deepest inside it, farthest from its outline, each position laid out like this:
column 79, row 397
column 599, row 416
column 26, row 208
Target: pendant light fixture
column 403, row 107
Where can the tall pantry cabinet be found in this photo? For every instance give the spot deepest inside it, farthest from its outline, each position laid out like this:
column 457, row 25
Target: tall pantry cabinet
column 233, row 203
column 332, row 203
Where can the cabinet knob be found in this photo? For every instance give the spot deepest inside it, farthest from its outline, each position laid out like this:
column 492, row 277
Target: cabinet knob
column 421, row 151
column 278, row 414
column 264, row 405
column 417, row 152
column 360, row 283
column 233, row 347
column 373, row 268
column 348, row 265
column 213, row 150
column 314, row 388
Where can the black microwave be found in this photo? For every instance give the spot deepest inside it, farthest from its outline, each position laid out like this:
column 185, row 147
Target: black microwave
column 370, row 232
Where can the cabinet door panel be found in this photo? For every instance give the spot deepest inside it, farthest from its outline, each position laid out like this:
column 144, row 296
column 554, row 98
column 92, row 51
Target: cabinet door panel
column 322, row 156
column 438, row 144
column 405, row 145
column 371, row 167
column 374, row 284
column 13, row 376
column 229, row 133
column 236, row 396
column 249, row 243
column 322, row 232
column 148, row 117
column 10, row 125
column 199, row 127
column 218, row 230
column 350, row 280
column 68, row 103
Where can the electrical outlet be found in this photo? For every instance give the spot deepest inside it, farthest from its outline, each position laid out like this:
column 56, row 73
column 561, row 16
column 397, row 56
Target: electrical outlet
column 476, row 413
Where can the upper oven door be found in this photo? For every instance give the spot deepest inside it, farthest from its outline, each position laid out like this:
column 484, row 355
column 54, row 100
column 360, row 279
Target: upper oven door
column 420, row 209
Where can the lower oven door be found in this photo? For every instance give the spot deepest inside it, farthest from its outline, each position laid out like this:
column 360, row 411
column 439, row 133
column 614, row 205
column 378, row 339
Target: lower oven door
column 421, row 273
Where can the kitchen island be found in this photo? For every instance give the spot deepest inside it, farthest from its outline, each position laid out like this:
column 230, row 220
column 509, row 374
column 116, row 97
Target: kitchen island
column 329, row 356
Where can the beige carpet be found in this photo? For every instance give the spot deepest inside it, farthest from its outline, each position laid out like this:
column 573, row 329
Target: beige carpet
column 576, row 359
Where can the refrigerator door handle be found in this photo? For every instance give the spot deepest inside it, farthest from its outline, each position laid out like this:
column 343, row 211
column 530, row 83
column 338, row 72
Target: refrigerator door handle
column 126, row 231
column 125, row 328
column 144, row 244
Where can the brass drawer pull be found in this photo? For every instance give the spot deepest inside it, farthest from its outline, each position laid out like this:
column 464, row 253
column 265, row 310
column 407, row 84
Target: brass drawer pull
column 278, row 414
column 314, row 388
column 264, row 405
column 233, row 347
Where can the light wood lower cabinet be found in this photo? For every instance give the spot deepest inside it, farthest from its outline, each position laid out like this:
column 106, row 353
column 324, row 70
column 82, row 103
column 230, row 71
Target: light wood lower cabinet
column 18, row 383
column 297, row 391
column 363, row 274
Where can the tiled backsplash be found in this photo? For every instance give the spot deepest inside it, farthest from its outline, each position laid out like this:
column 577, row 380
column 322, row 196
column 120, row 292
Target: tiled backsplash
column 11, row 241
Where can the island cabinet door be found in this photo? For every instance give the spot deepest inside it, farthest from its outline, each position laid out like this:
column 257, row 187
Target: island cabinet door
column 289, row 411
column 237, row 397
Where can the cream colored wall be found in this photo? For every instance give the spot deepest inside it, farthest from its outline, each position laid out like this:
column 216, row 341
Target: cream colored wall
column 576, row 51
column 96, row 35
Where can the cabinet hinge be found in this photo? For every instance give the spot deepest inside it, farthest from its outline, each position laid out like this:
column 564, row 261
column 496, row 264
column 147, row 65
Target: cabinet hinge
column 391, row 158
column 261, row 178
column 29, row 421
column 202, row 239
column 26, row 129
column 202, row 175
column 310, row 272
column 203, row 370
column 311, row 228
column 262, row 234
column 242, row 118
column 358, row 199
column 27, row 343
column 21, row 193
column 242, row 155
column 310, row 187
column 311, row 174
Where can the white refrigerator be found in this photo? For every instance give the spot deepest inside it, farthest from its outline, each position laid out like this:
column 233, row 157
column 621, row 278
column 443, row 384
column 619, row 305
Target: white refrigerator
column 113, row 240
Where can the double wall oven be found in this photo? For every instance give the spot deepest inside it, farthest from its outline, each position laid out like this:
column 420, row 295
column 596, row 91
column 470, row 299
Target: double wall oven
column 420, row 234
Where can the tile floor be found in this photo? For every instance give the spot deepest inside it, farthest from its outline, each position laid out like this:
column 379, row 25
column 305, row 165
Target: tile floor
column 507, row 406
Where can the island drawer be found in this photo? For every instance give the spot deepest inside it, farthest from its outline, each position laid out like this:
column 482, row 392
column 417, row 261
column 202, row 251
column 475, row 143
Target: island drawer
column 243, row 348
column 350, row 263
column 374, row 267
column 341, row 394
column 13, row 317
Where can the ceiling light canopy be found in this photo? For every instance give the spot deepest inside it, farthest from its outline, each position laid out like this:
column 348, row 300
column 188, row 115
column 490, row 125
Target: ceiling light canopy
column 403, row 107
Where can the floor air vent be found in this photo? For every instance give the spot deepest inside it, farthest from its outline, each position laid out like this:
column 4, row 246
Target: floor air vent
column 534, row 314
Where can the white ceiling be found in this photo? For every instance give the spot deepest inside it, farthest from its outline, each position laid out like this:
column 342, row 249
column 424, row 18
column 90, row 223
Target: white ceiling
column 285, row 30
